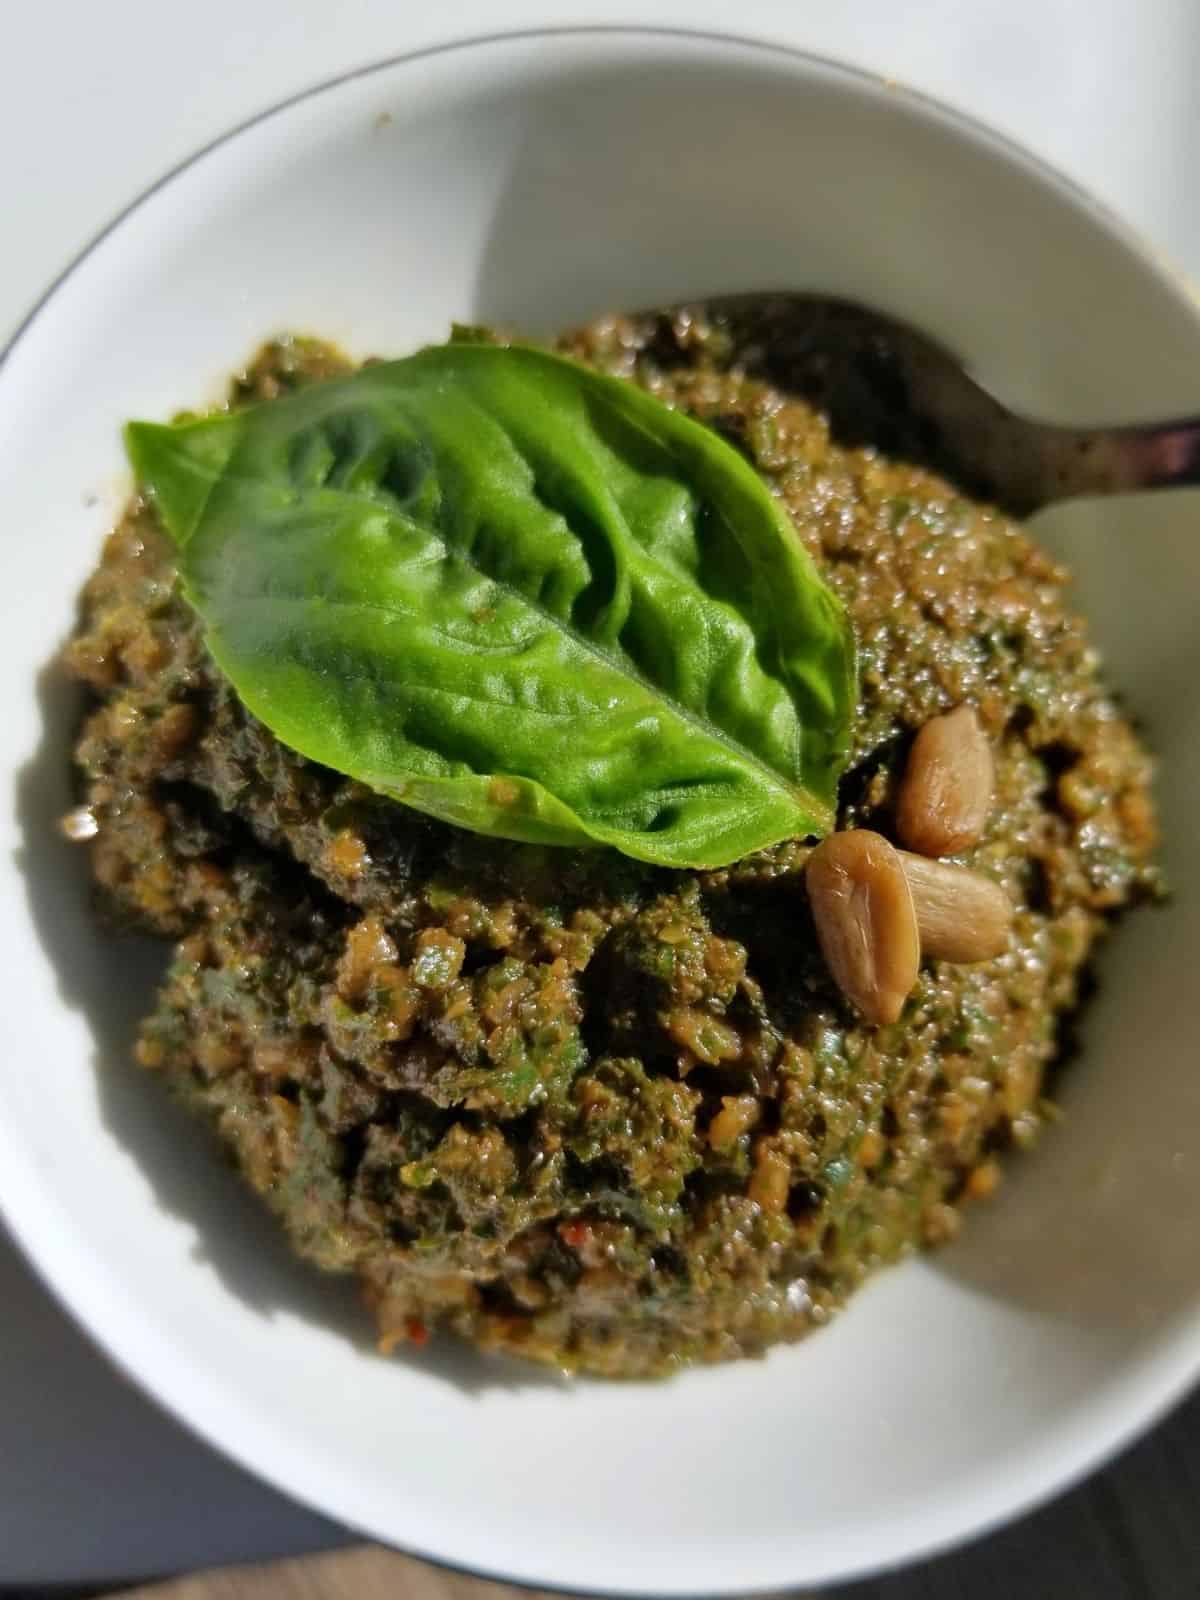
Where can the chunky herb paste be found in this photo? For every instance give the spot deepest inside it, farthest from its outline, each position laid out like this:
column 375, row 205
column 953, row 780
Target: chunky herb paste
column 609, row 1115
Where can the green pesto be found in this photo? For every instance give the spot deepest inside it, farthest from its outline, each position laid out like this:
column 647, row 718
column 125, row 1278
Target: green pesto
column 570, row 1105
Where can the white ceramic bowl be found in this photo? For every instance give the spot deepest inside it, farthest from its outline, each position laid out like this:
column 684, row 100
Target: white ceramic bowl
column 539, row 180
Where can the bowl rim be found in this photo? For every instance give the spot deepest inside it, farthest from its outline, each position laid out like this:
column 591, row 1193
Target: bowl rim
column 1137, row 1401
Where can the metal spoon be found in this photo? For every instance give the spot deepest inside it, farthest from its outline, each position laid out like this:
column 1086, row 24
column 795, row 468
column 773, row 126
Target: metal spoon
column 883, row 383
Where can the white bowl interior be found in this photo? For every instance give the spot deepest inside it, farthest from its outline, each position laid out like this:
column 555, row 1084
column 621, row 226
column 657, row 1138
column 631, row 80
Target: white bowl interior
column 539, row 181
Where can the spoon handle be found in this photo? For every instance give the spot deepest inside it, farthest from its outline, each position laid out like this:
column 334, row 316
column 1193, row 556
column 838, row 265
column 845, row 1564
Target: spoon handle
column 883, row 384
column 1024, row 465
column 1158, row 455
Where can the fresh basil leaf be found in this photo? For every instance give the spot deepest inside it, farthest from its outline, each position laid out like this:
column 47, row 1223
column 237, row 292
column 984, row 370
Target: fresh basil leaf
column 519, row 595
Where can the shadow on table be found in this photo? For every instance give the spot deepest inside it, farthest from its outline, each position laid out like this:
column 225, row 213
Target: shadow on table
column 111, row 978
column 70, row 1421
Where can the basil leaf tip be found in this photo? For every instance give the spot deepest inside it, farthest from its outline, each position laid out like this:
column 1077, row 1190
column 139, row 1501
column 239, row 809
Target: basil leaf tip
column 519, row 595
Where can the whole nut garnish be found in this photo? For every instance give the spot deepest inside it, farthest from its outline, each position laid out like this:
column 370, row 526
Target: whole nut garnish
column 946, row 792
column 865, row 919
column 961, row 915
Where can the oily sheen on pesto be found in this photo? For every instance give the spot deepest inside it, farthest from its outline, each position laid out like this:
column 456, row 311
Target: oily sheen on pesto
column 561, row 1103
column 521, row 596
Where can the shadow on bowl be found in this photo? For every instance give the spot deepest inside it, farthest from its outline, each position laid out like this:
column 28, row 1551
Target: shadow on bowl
column 1082, row 1231
column 110, row 978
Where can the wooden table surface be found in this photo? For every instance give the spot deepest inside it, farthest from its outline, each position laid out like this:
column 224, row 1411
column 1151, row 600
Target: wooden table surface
column 1131, row 1532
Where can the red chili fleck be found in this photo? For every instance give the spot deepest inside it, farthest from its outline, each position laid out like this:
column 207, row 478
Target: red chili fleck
column 417, row 1332
column 578, row 1235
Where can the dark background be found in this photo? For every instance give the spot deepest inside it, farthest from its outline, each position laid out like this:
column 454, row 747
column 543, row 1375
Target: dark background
column 1131, row 1532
